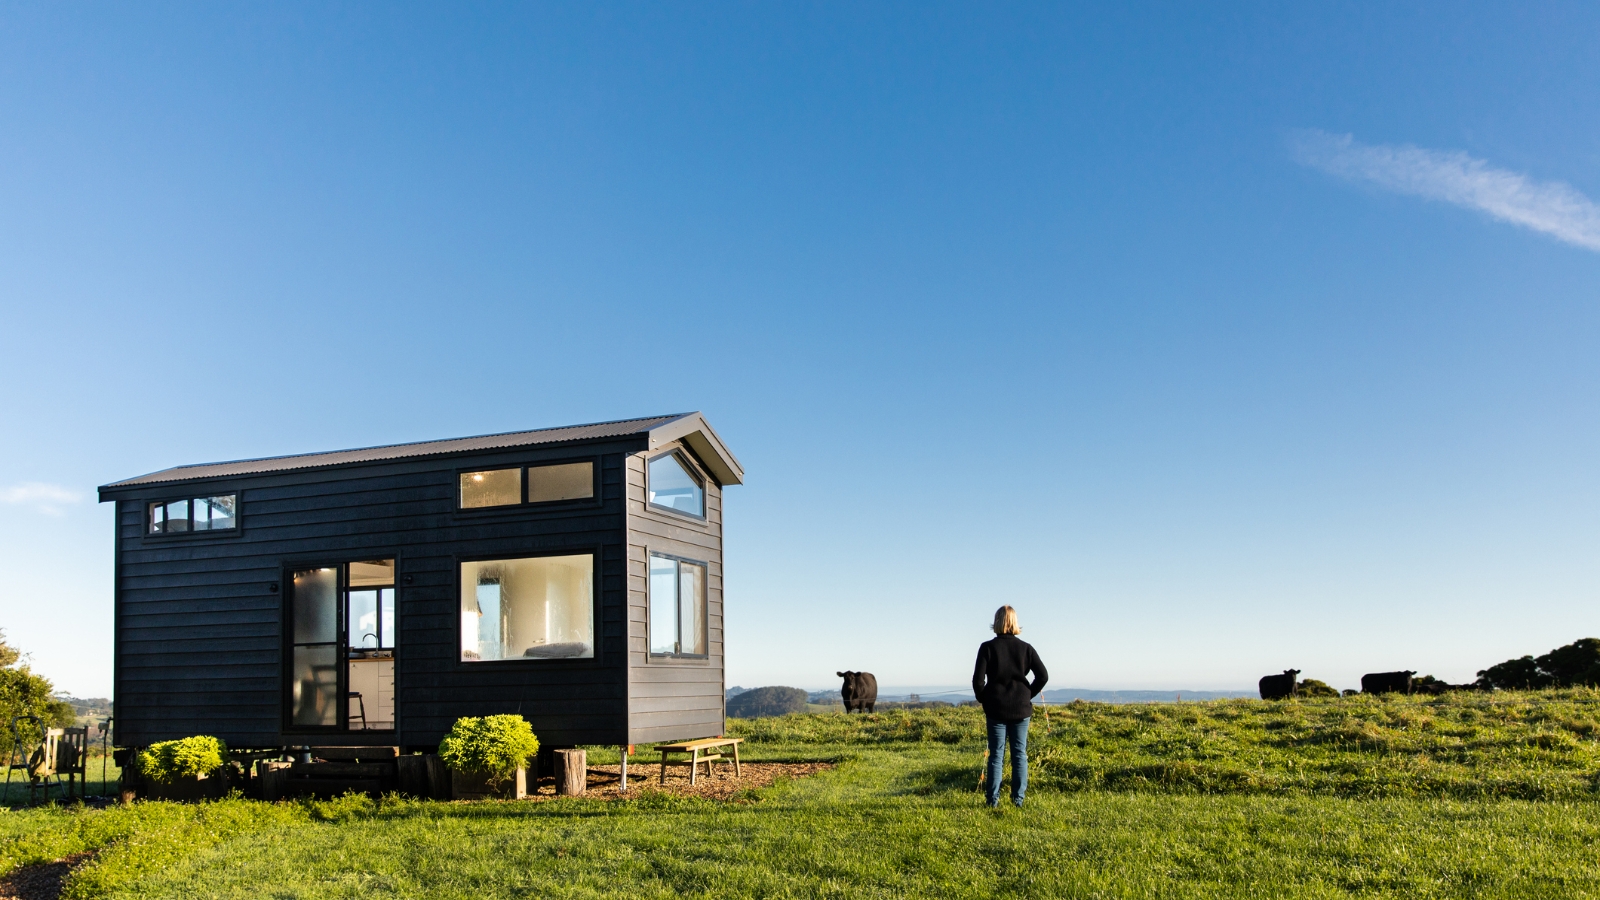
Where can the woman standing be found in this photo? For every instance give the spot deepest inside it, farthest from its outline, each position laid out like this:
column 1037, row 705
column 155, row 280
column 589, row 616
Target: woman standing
column 1000, row 682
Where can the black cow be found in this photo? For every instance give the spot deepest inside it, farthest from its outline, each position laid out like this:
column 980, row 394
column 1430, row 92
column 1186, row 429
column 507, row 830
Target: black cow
column 1386, row 682
column 1279, row 687
column 860, row 691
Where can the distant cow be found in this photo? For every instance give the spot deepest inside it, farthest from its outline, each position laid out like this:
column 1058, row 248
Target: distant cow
column 1386, row 682
column 860, row 691
column 1279, row 687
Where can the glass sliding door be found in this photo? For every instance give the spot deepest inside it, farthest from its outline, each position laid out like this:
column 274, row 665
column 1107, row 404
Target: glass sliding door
column 369, row 645
column 314, row 662
column 340, row 660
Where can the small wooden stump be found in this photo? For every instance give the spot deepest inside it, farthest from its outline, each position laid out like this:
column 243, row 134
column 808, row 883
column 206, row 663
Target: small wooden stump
column 439, row 781
column 274, row 779
column 572, row 772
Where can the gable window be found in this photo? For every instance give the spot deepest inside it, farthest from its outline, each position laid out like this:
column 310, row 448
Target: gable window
column 672, row 485
column 218, row 513
column 565, row 481
column 677, row 607
column 538, row 607
column 499, row 487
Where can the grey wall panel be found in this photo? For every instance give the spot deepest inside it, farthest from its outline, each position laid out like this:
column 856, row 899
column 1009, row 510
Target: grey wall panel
column 652, row 730
column 672, row 699
column 645, row 707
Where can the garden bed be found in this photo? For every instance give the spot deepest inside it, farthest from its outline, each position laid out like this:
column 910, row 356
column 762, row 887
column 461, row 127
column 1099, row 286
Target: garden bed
column 604, row 782
column 41, row 881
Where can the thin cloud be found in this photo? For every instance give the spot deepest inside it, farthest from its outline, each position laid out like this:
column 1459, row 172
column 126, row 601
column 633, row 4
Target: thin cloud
column 1552, row 207
column 46, row 498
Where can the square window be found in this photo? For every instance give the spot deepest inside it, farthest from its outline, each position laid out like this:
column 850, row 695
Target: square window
column 533, row 608
column 499, row 487
column 214, row 513
column 568, row 481
column 177, row 516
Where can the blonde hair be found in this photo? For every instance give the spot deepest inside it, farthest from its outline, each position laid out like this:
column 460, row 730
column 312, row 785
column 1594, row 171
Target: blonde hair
column 1005, row 621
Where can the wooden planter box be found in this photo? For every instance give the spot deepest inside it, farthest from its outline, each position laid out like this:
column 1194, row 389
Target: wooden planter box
column 188, row 788
column 475, row 786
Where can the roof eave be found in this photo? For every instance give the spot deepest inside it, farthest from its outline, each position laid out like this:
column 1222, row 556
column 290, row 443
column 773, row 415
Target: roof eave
column 693, row 430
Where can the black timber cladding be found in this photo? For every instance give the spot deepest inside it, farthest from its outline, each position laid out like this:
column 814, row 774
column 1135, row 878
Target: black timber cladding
column 199, row 629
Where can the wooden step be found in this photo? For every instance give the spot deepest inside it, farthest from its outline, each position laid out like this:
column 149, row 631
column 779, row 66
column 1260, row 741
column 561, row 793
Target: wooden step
column 345, row 770
column 332, row 787
column 369, row 754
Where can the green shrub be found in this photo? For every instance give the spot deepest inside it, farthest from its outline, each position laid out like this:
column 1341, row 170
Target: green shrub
column 492, row 745
column 169, row 760
column 1311, row 687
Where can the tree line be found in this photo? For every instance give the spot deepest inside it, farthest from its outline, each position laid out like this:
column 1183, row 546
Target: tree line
column 26, row 693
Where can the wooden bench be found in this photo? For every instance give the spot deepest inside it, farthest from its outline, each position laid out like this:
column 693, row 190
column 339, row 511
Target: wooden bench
column 697, row 755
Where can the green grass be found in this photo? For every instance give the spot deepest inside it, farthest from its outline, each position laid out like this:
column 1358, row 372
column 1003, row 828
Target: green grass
column 101, row 781
column 1528, row 746
column 1336, row 804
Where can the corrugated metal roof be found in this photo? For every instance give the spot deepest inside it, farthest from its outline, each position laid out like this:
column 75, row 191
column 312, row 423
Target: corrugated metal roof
column 402, row 451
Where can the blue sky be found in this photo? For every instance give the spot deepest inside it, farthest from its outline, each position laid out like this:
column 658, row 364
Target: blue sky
column 1216, row 340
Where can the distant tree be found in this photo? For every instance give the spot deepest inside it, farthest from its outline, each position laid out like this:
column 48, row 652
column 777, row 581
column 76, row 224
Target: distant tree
column 1311, row 687
column 1514, row 675
column 1576, row 664
column 767, row 701
column 22, row 693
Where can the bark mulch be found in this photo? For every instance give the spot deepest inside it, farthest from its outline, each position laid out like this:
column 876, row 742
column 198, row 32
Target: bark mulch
column 604, row 781
column 40, row 882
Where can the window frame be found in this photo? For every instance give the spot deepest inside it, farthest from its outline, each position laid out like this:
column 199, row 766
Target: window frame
column 238, row 516
column 649, row 608
column 341, row 642
column 695, row 473
column 594, row 483
column 523, row 505
column 594, row 551
column 522, row 489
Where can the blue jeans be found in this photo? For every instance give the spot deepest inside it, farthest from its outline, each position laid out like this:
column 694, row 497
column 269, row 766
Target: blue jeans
column 1000, row 733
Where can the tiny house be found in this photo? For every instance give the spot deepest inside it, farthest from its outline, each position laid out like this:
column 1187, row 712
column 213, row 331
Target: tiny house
column 572, row 575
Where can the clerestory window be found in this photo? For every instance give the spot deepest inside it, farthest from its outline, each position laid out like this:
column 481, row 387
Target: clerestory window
column 497, row 487
column 552, row 483
column 192, row 514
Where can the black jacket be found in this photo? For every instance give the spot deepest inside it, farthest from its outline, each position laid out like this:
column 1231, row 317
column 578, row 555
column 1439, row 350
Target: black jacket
column 1000, row 679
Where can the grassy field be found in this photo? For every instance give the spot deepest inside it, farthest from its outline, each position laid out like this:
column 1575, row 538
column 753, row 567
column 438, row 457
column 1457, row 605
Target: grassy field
column 1465, row 796
column 1540, row 746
